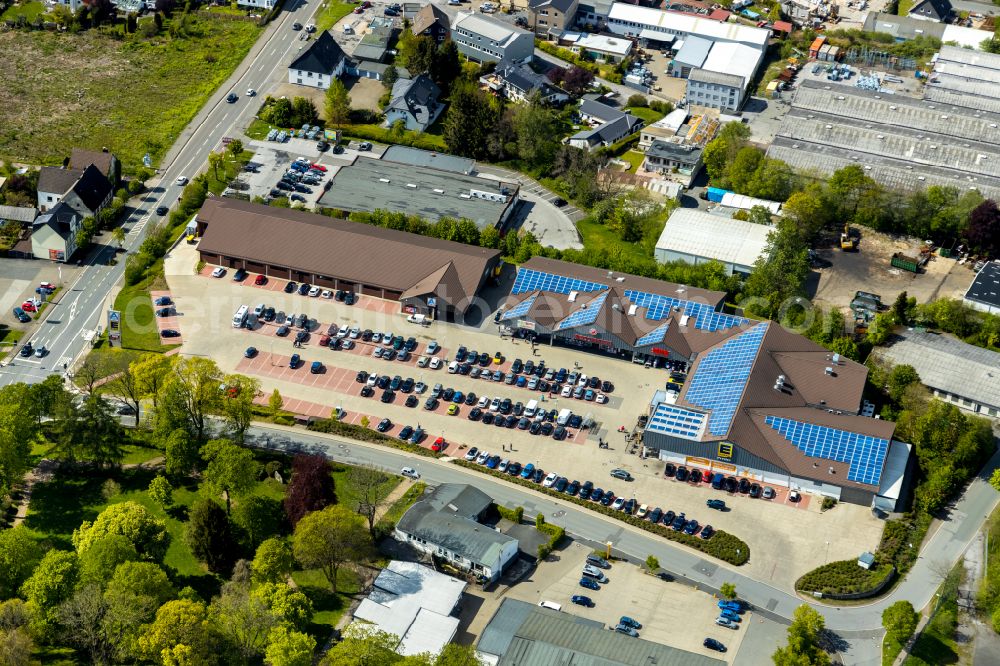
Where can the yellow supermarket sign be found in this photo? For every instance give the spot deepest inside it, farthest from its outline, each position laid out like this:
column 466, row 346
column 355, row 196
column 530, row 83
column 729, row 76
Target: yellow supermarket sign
column 725, row 450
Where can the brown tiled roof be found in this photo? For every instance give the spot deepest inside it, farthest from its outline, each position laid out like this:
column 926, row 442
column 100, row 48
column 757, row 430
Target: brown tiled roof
column 428, row 16
column 54, row 179
column 362, row 253
column 81, row 159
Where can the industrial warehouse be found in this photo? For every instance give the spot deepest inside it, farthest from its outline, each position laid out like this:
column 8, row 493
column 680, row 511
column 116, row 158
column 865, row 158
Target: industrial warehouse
column 900, row 142
column 757, row 401
column 369, row 184
column 426, row 275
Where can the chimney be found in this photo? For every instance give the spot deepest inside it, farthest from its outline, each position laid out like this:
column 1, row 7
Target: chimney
column 828, row 370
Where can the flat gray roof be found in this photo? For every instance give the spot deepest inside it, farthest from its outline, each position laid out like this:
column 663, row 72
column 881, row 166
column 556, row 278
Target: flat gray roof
column 701, row 234
column 426, row 158
column 947, row 364
column 369, row 184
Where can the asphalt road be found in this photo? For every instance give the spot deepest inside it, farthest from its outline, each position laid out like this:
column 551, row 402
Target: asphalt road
column 853, row 622
column 83, row 306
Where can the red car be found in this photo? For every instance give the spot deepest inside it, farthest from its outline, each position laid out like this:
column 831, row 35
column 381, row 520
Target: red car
column 320, row 167
column 438, row 445
column 260, row 279
column 47, row 285
column 28, row 306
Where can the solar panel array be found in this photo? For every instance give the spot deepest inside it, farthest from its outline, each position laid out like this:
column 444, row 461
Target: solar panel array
column 865, row 454
column 705, row 317
column 654, row 336
column 677, row 421
column 722, row 375
column 520, row 309
column 587, row 314
column 529, row 280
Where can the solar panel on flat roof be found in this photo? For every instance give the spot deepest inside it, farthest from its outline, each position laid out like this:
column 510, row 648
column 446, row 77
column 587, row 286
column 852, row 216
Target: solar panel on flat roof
column 865, row 454
column 521, row 308
column 529, row 280
column 585, row 315
column 722, row 375
column 677, row 421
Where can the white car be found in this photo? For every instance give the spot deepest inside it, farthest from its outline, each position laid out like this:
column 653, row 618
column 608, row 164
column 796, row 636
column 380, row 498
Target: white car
column 484, row 402
column 181, row 180
column 502, row 467
column 422, row 362
column 495, row 405
column 582, row 381
column 372, row 380
column 601, row 398
column 483, row 457
column 218, row 272
column 567, row 391
column 410, row 472
column 618, row 503
column 376, row 337
column 314, row 292
column 343, row 331
column 251, row 92
column 435, row 363
column 550, row 479
column 354, row 333
column 377, row 352
column 453, row 367
column 419, row 387
column 326, row 294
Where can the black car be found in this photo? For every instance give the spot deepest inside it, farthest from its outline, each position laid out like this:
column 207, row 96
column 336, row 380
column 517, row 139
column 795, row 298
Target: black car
column 559, row 433
column 431, row 404
column 239, row 275
column 283, row 186
column 731, row 484
column 383, row 425
column 516, row 366
column 395, row 383
column 538, row 475
column 304, row 289
column 547, row 428
column 510, row 421
column 573, row 488
column 755, row 490
column 383, row 382
column 290, row 287
column 412, row 401
column 407, row 385
column 484, row 359
column 655, row 515
column 514, row 469
column 27, row 350
column 366, row 335
column 464, row 369
column 670, row 469
column 518, row 409
column 471, row 398
column 367, row 391
column 523, row 423
column 561, row 484
column 607, row 386
column 596, row 495
column 629, row 507
column 170, row 333
column 410, row 344
column 282, row 331
column 682, row 473
column 500, row 421
column 388, row 396
column 586, row 488
column 405, row 433
column 575, row 421
column 668, row 518
column 268, row 314
column 231, row 98
column 349, row 298
column 460, row 354
column 301, row 336
column 506, row 406
column 475, row 414
column 302, row 188
column 529, row 367
column 164, row 312
column 593, row 382
column 162, row 210
column 713, row 644
column 448, row 394
column 559, row 202
column 361, row 377
column 487, row 418
column 695, row 476
column 744, row 485
column 535, row 428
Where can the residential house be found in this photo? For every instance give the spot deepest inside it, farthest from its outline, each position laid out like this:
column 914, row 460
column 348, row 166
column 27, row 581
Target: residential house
column 87, row 191
column 984, row 292
column 938, row 11
column 265, row 5
column 318, row 65
column 593, row 14
column 666, row 127
column 602, row 48
column 53, row 234
column 716, row 90
column 104, row 160
column 608, row 125
column 415, row 102
column 374, row 46
column 431, row 22
column 673, row 157
column 483, row 38
column 72, row 5
column 445, row 525
column 519, row 82
column 552, row 17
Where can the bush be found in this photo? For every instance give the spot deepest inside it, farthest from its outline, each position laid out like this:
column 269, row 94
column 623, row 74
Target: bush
column 722, row 545
column 637, row 100
column 544, row 550
column 828, row 503
column 334, row 427
column 514, row 515
column 271, row 468
column 843, row 577
column 555, row 532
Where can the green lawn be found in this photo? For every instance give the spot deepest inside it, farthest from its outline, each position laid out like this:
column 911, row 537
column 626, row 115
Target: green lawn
column 332, row 11
column 139, row 330
column 599, row 237
column 634, row 158
column 400, row 506
column 647, row 114
column 937, row 645
column 429, row 140
column 228, row 172
column 890, row 650
column 345, row 495
column 29, row 10
column 134, row 95
column 258, row 130
column 328, row 607
column 903, row 7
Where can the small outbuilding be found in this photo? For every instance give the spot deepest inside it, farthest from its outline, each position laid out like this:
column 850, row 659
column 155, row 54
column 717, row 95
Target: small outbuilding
column 697, row 237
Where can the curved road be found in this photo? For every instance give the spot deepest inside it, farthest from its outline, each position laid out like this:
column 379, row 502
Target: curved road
column 948, row 542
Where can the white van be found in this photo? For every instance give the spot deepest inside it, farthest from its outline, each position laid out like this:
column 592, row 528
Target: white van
column 531, row 409
column 564, row 415
column 550, row 605
column 240, row 317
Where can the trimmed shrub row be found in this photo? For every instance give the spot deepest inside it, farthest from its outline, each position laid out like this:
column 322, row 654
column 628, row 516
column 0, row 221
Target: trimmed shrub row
column 514, row 515
column 722, row 545
column 843, row 577
column 334, row 427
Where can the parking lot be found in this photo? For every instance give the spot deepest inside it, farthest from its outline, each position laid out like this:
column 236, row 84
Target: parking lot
column 20, row 279
column 782, row 535
column 670, row 613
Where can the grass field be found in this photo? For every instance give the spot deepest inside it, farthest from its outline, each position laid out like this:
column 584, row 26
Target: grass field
column 649, row 116
column 634, row 158
column 331, row 12
column 599, row 237
column 29, row 10
column 139, row 331
column 64, row 90
column 228, row 172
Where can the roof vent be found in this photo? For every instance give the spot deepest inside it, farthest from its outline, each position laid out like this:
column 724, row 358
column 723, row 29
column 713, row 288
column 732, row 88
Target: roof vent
column 572, row 296
column 828, row 370
column 632, row 308
column 438, row 191
column 836, row 359
column 411, row 185
column 684, row 320
column 619, row 279
column 614, row 306
column 780, row 381
column 831, row 470
column 383, row 180
column 893, row 107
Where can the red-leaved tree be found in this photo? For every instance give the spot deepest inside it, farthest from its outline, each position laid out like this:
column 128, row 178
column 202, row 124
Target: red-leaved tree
column 310, row 489
column 984, row 228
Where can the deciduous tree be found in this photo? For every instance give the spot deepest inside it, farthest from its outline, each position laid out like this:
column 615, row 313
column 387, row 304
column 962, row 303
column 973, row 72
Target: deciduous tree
column 195, row 381
column 330, row 539
column 209, row 536
column 150, row 371
column 257, row 518
column 180, row 623
column 231, row 469
column 19, row 553
column 338, row 103
column 273, row 561
column 803, row 648
column 52, row 583
column 370, row 488
column 984, row 228
column 243, row 619
column 311, row 487
column 99, row 562
column 181, row 453
column 286, row 647
column 147, row 534
column 900, row 620
column 161, row 492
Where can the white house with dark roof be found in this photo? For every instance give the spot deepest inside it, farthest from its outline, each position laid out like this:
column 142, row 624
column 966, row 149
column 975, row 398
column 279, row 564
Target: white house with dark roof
column 415, row 102
column 518, row 82
column 445, row 525
column 53, row 234
column 318, row 65
column 608, row 125
column 87, row 191
column 938, row 11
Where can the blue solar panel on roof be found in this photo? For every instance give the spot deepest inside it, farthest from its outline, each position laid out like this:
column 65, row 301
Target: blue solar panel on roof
column 865, row 454
column 587, row 314
column 722, row 375
column 705, row 317
column 678, row 421
column 529, row 280
column 521, row 308
column 654, row 336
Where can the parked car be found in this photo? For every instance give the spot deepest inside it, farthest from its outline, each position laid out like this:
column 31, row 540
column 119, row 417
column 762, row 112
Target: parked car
column 582, row 600
column 410, row 472
column 713, row 644
column 717, row 504
column 628, row 631
column 589, row 583
column 621, row 474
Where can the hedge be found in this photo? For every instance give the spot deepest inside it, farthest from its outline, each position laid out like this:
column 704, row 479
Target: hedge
column 722, row 545
column 514, row 515
column 334, row 427
column 843, row 577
